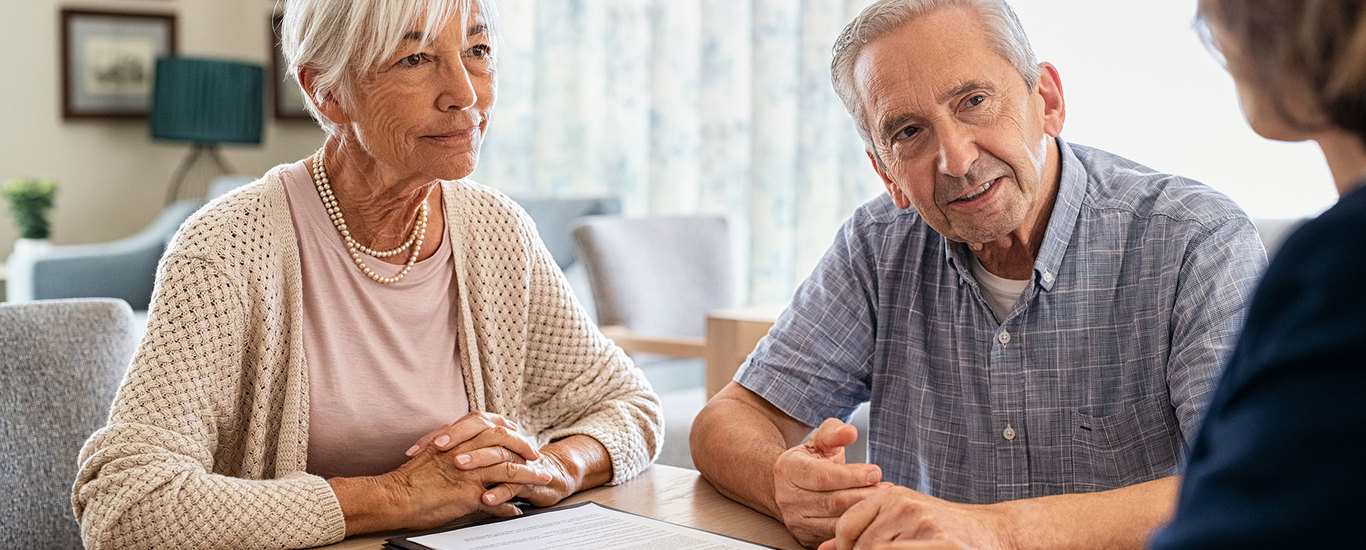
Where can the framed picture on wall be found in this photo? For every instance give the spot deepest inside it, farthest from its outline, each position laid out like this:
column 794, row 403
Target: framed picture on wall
column 108, row 60
column 289, row 99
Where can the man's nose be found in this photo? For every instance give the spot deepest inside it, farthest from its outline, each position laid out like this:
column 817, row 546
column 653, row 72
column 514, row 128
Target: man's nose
column 957, row 151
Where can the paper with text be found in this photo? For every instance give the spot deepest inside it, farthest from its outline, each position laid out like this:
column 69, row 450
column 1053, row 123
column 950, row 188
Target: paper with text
column 589, row 526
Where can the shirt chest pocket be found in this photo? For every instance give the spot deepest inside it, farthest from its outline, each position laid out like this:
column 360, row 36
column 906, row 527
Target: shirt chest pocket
column 1140, row 443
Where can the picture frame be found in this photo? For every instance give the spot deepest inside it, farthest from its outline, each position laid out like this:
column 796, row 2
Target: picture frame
column 288, row 102
column 109, row 61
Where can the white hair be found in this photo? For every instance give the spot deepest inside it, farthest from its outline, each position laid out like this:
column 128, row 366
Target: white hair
column 341, row 39
column 884, row 16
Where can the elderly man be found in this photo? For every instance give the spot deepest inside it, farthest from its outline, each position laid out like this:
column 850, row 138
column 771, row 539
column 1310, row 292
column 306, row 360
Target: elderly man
column 1038, row 325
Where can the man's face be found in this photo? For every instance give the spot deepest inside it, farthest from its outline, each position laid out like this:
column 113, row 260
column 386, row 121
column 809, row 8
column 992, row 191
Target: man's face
column 960, row 135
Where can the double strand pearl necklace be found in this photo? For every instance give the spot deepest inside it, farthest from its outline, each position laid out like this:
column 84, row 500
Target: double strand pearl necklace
column 334, row 212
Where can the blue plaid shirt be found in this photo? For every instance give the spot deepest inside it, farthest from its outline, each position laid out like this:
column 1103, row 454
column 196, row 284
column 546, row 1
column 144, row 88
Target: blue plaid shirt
column 1096, row 379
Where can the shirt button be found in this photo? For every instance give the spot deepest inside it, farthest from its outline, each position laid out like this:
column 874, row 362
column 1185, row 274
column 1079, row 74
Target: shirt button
column 1003, row 337
column 1048, row 276
column 1008, row 433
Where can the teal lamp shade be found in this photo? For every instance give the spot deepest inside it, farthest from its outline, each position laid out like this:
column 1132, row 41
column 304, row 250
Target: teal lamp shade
column 207, row 101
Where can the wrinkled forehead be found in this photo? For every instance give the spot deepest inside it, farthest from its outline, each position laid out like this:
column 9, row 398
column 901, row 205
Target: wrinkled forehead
column 925, row 61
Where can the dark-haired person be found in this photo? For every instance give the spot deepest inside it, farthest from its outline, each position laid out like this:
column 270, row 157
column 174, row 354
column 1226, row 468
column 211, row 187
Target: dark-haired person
column 1278, row 462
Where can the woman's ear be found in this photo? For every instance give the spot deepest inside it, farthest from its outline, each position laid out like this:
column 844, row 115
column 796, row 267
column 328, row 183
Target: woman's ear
column 327, row 105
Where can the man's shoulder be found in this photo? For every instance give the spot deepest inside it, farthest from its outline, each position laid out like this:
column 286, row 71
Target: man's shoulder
column 1118, row 184
column 880, row 218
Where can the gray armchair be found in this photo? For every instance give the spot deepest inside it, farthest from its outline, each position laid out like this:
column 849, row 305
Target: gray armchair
column 554, row 218
column 62, row 363
column 654, row 279
column 123, row 269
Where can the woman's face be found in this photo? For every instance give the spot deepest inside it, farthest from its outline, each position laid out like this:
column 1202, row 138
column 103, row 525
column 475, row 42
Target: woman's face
column 423, row 110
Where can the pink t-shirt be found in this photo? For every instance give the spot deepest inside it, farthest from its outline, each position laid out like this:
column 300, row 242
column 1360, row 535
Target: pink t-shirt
column 383, row 360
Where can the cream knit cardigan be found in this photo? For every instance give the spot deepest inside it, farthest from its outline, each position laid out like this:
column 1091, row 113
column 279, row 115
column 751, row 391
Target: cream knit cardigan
column 208, row 436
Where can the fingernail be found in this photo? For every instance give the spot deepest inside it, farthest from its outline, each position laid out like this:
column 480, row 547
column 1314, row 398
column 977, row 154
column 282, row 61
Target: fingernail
column 516, row 511
column 545, row 477
column 463, row 459
column 873, row 477
column 442, row 441
column 413, row 450
column 488, row 497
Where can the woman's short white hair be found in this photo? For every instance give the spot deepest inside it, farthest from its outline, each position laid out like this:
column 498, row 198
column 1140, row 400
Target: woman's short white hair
column 341, row 39
column 884, row 16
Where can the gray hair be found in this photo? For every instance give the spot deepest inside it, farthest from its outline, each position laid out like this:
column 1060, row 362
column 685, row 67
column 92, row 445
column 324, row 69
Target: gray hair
column 343, row 38
column 884, row 16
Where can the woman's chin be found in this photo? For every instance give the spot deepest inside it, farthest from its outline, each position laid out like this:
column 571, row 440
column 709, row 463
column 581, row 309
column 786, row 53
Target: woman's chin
column 456, row 167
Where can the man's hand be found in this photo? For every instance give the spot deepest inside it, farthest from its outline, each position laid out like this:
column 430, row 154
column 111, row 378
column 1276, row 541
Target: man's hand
column 813, row 486
column 895, row 515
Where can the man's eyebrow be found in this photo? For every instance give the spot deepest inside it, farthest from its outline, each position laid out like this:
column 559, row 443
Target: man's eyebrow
column 894, row 124
column 965, row 88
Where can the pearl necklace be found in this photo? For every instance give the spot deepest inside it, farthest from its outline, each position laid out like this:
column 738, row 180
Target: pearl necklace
column 334, row 212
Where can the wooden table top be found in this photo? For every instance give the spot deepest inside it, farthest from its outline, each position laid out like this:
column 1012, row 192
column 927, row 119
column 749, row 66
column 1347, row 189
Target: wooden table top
column 675, row 495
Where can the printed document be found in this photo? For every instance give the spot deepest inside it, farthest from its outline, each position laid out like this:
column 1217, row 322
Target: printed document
column 586, row 526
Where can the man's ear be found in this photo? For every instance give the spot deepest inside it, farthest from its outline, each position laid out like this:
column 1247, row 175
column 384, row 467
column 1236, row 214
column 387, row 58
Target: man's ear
column 900, row 199
column 1050, row 89
column 328, row 105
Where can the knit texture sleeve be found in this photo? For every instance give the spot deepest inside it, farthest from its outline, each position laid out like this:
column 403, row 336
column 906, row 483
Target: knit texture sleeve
column 589, row 385
column 171, row 470
column 542, row 359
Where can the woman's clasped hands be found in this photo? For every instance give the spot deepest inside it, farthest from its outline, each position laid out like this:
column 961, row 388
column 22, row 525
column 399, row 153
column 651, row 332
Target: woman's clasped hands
column 477, row 463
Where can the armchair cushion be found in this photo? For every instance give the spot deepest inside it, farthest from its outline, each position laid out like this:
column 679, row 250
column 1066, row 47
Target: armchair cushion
column 63, row 361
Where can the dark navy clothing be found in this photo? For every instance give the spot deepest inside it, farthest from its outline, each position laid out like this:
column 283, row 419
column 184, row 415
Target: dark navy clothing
column 1281, row 459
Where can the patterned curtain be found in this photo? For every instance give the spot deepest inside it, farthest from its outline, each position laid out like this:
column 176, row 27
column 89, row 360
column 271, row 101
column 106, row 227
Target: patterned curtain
column 685, row 106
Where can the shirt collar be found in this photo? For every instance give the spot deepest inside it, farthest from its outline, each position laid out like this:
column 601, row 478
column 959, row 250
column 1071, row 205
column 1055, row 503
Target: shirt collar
column 1061, row 225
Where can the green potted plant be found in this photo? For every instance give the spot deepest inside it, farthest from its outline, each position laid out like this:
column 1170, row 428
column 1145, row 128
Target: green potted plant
column 29, row 200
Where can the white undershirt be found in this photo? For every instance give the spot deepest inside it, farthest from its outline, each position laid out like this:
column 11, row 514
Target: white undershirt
column 1000, row 293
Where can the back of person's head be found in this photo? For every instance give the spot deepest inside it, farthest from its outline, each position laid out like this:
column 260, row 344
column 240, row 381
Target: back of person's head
column 1307, row 56
column 884, row 16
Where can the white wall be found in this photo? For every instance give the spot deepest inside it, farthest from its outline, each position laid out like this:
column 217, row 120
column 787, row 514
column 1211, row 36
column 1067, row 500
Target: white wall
column 112, row 177
column 1138, row 82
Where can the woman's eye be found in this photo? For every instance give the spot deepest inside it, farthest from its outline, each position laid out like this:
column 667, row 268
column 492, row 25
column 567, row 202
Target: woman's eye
column 412, row 60
column 482, row 51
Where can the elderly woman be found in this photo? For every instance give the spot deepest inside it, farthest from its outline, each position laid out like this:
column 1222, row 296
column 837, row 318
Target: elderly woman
column 1278, row 461
column 309, row 328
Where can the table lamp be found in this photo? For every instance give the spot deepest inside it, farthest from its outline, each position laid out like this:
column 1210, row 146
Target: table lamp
column 206, row 102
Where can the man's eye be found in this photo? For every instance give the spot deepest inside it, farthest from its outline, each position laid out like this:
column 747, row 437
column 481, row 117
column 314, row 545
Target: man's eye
column 907, row 132
column 976, row 100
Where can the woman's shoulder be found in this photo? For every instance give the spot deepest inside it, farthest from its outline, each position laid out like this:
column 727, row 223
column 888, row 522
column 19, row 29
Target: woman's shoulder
column 243, row 220
column 480, row 204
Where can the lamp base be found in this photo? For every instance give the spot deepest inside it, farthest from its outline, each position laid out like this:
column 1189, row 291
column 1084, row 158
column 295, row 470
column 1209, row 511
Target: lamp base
column 211, row 149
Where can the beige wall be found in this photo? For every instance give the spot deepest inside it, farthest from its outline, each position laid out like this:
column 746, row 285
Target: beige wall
column 113, row 178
